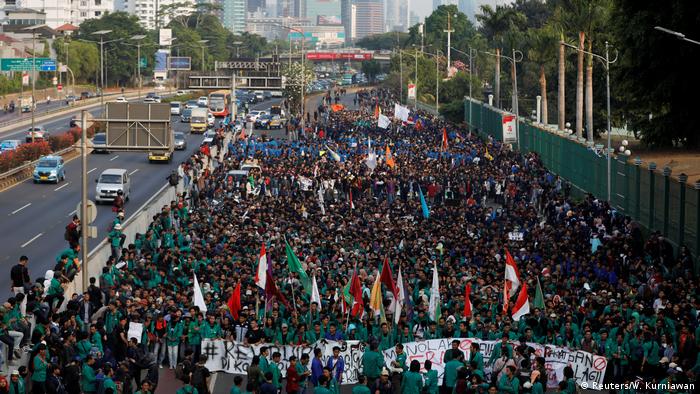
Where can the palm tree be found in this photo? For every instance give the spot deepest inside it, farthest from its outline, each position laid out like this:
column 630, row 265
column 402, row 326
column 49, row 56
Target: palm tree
column 542, row 46
column 494, row 24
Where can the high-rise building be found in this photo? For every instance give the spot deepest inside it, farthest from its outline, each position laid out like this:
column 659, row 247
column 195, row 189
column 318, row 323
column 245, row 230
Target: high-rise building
column 391, row 15
column 147, row 10
column 437, row 3
column 324, row 12
column 233, row 14
column 60, row 12
column 468, row 8
column 368, row 18
column 346, row 17
column 256, row 5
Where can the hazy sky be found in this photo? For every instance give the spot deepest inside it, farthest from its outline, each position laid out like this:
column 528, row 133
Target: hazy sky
column 424, row 7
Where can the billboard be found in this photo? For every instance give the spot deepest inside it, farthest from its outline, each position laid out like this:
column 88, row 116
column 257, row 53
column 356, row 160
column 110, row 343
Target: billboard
column 509, row 131
column 179, row 63
column 412, row 91
column 165, row 37
column 161, row 60
column 328, row 20
column 338, row 56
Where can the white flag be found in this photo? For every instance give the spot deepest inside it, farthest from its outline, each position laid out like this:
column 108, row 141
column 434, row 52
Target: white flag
column 198, row 297
column 383, row 121
column 315, row 296
column 401, row 112
column 398, row 305
column 434, row 305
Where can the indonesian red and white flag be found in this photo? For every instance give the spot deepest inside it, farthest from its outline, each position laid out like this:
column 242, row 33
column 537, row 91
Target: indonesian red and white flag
column 522, row 304
column 512, row 274
column 444, row 139
column 261, row 274
column 467, row 301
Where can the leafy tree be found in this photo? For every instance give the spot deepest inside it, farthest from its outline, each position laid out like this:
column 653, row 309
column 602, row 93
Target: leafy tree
column 656, row 72
column 295, row 80
column 82, row 57
column 371, row 69
column 119, row 55
column 543, row 43
column 384, row 41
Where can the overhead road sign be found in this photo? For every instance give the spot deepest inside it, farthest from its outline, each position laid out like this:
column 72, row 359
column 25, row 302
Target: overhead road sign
column 176, row 63
column 25, row 64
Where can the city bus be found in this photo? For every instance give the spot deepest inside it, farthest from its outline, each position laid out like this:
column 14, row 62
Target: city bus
column 220, row 103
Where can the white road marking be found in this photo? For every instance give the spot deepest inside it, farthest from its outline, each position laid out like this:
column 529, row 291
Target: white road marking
column 21, row 208
column 61, row 187
column 134, row 171
column 114, row 158
column 72, row 213
column 31, row 240
column 92, row 170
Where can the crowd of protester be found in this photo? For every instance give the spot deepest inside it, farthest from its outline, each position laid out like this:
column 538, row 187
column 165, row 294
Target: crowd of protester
column 607, row 289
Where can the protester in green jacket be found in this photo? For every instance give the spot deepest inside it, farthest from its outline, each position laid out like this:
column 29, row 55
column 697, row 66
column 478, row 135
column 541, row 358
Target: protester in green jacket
column 274, row 367
column 372, row 362
column 88, row 380
column 40, row 367
column 412, row 382
column 16, row 384
column 431, row 378
column 451, row 368
column 508, row 383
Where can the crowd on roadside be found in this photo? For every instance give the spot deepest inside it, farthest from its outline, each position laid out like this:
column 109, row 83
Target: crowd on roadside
column 607, row 289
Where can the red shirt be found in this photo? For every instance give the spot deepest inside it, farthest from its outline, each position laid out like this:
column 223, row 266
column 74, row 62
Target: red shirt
column 292, row 380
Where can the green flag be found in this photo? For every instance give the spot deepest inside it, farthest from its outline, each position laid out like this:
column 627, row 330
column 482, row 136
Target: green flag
column 295, row 267
column 539, row 297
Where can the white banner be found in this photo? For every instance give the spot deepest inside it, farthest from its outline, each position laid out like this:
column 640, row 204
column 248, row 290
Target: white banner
column 165, row 37
column 135, row 331
column 412, row 91
column 509, row 131
column 401, row 112
column 233, row 357
column 383, row 121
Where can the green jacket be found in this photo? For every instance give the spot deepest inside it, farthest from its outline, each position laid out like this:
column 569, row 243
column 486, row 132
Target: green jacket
column 173, row 333
column 40, row 367
column 508, row 386
column 431, row 381
column 360, row 389
column 108, row 383
column 478, row 358
column 412, row 383
column 188, row 390
column 276, row 374
column 20, row 386
column 451, row 372
column 372, row 364
column 87, row 379
column 210, row 332
column 194, row 333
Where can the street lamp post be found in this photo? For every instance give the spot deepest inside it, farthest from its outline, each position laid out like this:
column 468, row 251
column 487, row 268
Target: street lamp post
column 201, row 43
column 33, row 103
column 437, row 80
column 680, row 36
column 138, row 39
column 102, row 33
column 606, row 63
column 237, row 44
column 514, row 60
column 470, row 55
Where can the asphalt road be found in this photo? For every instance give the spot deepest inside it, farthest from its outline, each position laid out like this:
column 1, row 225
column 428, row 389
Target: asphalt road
column 33, row 216
column 41, row 107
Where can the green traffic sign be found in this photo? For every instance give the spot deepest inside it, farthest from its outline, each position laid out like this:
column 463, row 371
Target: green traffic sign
column 25, row 64
column 143, row 62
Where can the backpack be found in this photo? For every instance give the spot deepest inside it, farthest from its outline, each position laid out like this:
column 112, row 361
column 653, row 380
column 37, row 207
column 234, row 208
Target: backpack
column 182, row 370
column 197, row 377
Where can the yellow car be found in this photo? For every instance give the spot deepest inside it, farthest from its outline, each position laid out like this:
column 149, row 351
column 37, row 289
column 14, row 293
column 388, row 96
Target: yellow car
column 160, row 156
column 276, row 122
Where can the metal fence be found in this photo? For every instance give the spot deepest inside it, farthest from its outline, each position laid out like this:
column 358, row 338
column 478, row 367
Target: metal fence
column 651, row 196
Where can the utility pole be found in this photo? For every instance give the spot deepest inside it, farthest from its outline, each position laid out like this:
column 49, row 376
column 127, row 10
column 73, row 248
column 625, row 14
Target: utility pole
column 234, row 109
column 449, row 42
column 84, row 200
column 33, row 103
column 401, row 75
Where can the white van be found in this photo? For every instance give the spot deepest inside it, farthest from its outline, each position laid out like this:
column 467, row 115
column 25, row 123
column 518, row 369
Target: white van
column 110, row 182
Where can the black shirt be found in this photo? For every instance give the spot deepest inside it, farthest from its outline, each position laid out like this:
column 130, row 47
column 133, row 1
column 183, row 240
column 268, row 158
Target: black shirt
column 19, row 275
column 254, row 336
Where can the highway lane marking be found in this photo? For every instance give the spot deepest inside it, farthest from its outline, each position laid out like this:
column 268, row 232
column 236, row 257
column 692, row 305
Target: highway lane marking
column 31, row 240
column 114, row 158
column 19, row 209
column 134, row 171
column 72, row 212
column 61, row 187
column 92, row 170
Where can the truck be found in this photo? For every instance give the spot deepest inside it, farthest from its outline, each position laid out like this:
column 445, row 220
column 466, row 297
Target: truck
column 198, row 121
column 26, row 104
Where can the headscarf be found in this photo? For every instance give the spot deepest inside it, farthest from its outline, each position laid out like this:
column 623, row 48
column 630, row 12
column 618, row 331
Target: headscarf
column 47, row 280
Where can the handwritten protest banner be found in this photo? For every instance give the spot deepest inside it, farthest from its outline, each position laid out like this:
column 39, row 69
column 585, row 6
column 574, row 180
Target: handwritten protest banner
column 235, row 358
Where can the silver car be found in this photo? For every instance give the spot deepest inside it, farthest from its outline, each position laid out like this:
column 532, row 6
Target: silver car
column 180, row 142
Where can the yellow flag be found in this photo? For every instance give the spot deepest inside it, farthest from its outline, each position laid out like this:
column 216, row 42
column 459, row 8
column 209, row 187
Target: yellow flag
column 375, row 297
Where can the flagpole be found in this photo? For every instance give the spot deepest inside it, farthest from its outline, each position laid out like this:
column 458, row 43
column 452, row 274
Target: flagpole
column 347, row 320
column 294, row 300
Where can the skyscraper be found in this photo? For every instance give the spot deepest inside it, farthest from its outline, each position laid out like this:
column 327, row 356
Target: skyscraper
column 369, row 17
column 468, row 8
column 233, row 15
column 391, row 13
column 323, row 12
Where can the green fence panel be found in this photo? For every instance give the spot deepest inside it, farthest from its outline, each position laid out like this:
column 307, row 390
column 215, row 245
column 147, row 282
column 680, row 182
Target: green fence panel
column 659, row 197
column 645, row 197
column 691, row 216
column 674, row 210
